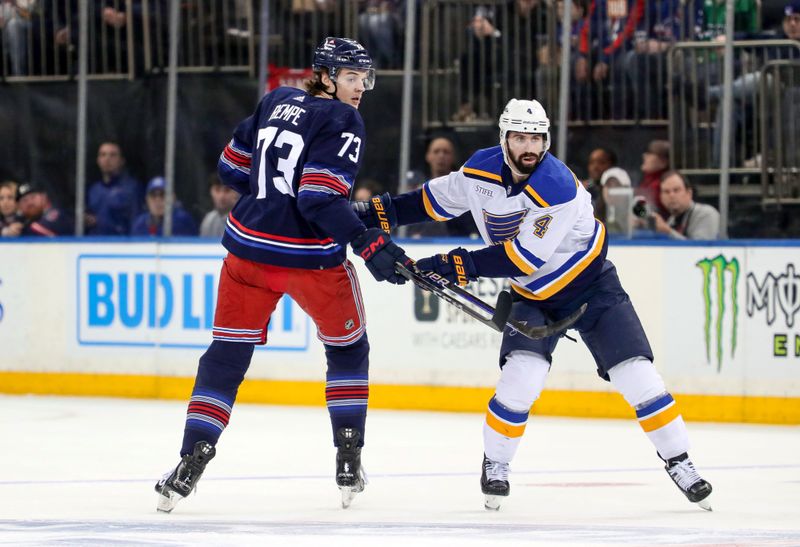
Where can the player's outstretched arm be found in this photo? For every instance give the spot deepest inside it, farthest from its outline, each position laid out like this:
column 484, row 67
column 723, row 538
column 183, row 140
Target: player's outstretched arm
column 461, row 266
column 380, row 255
column 386, row 211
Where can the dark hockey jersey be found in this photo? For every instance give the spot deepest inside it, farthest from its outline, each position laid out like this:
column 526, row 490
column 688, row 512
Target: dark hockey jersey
column 294, row 161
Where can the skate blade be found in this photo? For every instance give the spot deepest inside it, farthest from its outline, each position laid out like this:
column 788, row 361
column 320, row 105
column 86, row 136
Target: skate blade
column 492, row 503
column 704, row 504
column 348, row 494
column 168, row 501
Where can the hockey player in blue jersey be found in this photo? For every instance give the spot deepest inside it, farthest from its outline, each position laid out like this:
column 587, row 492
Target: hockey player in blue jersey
column 537, row 220
column 294, row 162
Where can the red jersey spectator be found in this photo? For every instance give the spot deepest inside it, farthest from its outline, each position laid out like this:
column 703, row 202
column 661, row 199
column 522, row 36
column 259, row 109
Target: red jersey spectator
column 655, row 162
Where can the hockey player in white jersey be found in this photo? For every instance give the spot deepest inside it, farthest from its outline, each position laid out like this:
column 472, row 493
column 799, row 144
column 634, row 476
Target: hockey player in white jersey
column 537, row 221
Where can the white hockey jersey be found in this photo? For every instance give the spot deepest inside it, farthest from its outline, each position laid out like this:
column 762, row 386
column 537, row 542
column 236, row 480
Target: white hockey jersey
column 545, row 224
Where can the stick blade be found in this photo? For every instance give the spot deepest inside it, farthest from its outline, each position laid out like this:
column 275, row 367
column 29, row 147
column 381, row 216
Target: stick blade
column 502, row 310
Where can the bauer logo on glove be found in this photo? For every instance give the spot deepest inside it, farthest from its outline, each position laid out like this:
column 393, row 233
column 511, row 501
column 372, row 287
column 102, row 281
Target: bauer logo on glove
column 380, row 213
column 456, row 266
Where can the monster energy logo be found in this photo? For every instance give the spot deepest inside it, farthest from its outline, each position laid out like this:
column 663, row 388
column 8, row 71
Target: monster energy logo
column 714, row 270
column 773, row 293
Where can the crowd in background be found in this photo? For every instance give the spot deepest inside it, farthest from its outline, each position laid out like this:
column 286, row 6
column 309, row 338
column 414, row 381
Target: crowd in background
column 117, row 204
column 618, row 45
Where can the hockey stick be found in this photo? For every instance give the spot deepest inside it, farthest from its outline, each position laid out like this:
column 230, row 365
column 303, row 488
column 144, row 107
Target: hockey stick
column 467, row 302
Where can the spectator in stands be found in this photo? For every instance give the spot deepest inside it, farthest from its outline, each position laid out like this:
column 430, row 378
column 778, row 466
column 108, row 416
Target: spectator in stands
column 655, row 162
column 580, row 50
column 665, row 22
column 791, row 21
column 615, row 213
column 525, row 22
column 366, row 188
column 15, row 24
column 478, row 66
column 224, row 198
column 11, row 220
column 600, row 159
column 687, row 218
column 113, row 201
column 41, row 217
column 152, row 222
column 440, row 158
column 379, row 28
column 745, row 86
column 611, row 28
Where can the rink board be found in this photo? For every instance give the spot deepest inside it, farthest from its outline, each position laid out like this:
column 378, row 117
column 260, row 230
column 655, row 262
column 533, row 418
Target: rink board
column 131, row 319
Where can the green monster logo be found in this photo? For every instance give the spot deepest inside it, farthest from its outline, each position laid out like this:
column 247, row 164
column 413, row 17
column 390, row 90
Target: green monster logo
column 714, row 270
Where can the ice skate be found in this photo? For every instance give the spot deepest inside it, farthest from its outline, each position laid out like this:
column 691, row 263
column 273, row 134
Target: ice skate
column 179, row 483
column 494, row 483
column 682, row 472
column 349, row 474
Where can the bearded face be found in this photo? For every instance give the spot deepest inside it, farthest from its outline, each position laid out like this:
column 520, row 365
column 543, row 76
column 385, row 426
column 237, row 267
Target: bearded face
column 525, row 150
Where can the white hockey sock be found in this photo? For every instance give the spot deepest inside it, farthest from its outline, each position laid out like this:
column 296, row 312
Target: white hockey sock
column 521, row 382
column 642, row 387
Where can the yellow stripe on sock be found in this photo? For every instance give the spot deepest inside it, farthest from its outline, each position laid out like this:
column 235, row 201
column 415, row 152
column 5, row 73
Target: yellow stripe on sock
column 503, row 428
column 660, row 420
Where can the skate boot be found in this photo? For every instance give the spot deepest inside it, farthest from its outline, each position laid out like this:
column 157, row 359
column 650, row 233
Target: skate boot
column 349, row 474
column 682, row 472
column 494, row 483
column 178, row 484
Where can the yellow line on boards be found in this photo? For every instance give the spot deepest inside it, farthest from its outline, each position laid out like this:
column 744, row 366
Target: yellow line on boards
column 584, row 404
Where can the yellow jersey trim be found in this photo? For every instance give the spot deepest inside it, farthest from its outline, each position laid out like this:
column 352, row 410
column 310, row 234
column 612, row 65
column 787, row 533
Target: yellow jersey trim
column 536, row 197
column 513, row 256
column 429, row 208
column 480, row 173
column 569, row 275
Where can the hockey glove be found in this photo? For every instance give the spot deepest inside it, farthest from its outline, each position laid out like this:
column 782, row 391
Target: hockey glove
column 378, row 212
column 380, row 255
column 456, row 266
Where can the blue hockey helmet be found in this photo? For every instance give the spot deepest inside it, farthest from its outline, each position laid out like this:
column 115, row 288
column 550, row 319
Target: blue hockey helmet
column 335, row 53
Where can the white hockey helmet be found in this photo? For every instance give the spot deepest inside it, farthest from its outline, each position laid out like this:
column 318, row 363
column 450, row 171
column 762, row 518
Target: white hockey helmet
column 525, row 117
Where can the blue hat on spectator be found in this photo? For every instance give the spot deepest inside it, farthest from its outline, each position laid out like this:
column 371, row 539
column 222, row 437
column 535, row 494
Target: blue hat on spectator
column 792, row 8
column 156, row 183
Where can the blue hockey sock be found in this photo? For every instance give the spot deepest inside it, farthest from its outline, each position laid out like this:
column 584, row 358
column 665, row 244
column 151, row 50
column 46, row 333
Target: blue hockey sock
column 221, row 371
column 347, row 387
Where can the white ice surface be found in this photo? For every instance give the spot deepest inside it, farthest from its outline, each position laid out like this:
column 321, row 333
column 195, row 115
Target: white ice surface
column 81, row 472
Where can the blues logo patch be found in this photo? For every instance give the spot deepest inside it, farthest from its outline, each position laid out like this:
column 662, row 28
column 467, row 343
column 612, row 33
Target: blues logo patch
column 503, row 227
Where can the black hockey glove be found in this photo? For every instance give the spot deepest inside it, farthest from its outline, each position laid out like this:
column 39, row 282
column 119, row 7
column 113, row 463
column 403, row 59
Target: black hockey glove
column 378, row 212
column 380, row 254
column 456, row 266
